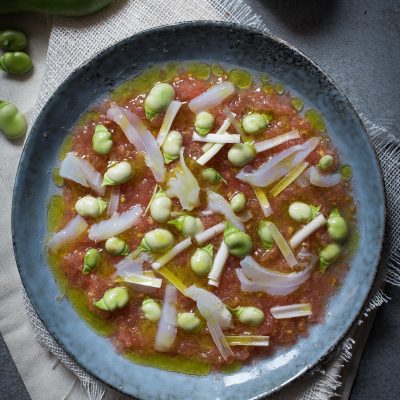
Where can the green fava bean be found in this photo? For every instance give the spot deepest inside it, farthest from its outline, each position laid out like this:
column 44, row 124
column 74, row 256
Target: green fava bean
column 91, row 260
column 11, row 40
column 328, row 255
column 300, row 212
column 117, row 174
column 160, row 207
column 337, row 226
column 172, row 146
column 239, row 243
column 202, row 260
column 158, row 100
column 102, row 140
column 325, row 162
column 89, row 206
column 204, row 123
column 17, row 63
column 151, row 310
column 187, row 225
column 251, row 316
column 116, row 247
column 188, row 321
column 156, row 241
column 238, row 202
column 241, row 154
column 211, row 175
column 113, row 299
column 12, row 122
column 265, row 235
column 254, row 123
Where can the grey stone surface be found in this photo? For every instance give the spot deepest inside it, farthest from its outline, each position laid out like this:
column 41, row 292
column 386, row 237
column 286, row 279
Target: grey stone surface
column 357, row 43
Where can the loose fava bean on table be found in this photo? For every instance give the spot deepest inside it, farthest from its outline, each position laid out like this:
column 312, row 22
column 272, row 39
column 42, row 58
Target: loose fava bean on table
column 12, row 122
column 17, row 63
column 12, row 40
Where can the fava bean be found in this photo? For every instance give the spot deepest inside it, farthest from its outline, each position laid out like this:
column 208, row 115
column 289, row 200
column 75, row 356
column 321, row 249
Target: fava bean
column 211, row 175
column 337, row 226
column 17, row 62
column 102, row 140
column 325, row 162
column 265, row 235
column 12, row 122
column 91, row 260
column 113, row 299
column 187, row 225
column 151, row 309
column 117, row 174
column 116, row 247
column 156, row 241
column 204, row 123
column 239, row 243
column 238, row 202
column 328, row 255
column 160, row 207
column 158, row 100
column 11, row 40
column 188, row 321
column 254, row 123
column 172, row 146
column 241, row 154
column 251, row 316
column 89, row 206
column 201, row 260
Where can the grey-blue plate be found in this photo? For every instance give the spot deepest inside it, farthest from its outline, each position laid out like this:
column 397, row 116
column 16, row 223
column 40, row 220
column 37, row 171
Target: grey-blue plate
column 220, row 42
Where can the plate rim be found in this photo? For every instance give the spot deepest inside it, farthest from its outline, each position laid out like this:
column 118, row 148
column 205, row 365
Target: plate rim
column 224, row 25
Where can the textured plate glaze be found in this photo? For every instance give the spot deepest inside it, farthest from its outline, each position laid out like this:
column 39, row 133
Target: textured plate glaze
column 92, row 82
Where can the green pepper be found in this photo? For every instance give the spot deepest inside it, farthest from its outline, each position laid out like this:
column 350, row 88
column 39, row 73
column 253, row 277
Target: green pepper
column 69, row 8
column 12, row 122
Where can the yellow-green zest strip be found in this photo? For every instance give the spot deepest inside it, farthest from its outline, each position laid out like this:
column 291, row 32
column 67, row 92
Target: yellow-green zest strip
column 288, row 179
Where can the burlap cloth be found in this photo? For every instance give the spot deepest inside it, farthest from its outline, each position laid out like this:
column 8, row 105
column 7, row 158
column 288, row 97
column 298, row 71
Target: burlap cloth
column 52, row 374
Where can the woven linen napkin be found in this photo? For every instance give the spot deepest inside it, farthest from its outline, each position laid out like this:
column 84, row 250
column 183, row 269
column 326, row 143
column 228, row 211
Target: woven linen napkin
column 74, row 41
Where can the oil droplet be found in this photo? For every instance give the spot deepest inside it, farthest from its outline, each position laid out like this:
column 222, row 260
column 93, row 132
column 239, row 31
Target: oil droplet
column 315, row 119
column 240, row 78
column 199, row 70
column 279, row 88
column 57, row 179
column 217, row 70
column 346, row 172
column 55, row 212
column 297, row 103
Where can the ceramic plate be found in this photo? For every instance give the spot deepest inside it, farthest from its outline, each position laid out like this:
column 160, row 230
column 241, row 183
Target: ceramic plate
column 88, row 85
